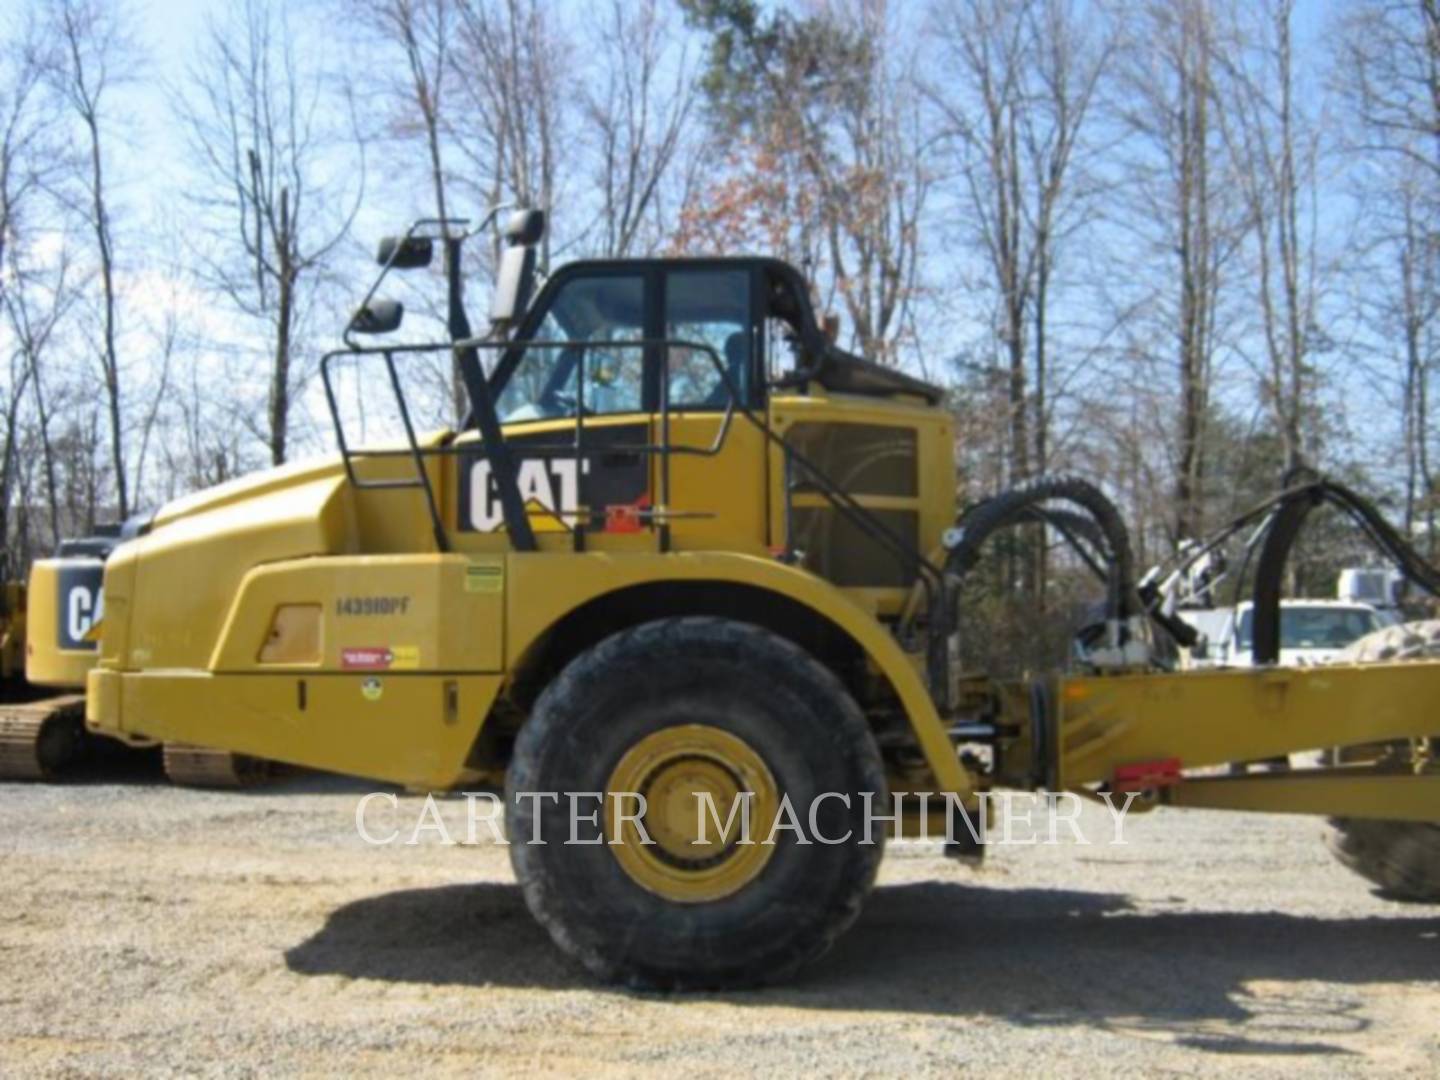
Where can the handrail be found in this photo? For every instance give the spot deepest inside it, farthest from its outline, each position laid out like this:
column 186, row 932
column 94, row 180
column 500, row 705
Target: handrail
column 915, row 562
column 418, row 453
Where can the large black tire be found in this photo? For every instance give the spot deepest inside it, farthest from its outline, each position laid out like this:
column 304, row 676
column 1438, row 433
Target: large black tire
column 744, row 681
column 1401, row 857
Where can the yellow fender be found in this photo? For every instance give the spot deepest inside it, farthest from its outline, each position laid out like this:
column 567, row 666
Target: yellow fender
column 539, row 593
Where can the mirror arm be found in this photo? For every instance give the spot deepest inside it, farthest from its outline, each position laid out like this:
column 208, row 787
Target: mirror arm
column 464, row 234
column 348, row 336
column 493, row 213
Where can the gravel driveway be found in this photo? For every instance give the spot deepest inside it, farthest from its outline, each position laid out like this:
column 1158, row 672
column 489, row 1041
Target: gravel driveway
column 155, row 929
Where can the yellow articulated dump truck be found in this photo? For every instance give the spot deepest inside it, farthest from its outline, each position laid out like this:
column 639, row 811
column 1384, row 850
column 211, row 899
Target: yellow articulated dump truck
column 684, row 551
column 48, row 648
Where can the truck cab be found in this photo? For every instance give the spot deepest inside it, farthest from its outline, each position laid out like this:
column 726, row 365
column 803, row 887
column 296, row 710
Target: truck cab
column 1311, row 631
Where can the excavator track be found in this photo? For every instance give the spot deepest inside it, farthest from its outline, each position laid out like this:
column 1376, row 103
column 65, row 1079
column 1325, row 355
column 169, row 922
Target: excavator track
column 39, row 738
column 200, row 767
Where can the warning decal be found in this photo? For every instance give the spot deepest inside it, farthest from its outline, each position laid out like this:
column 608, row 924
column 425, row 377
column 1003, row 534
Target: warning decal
column 380, row 658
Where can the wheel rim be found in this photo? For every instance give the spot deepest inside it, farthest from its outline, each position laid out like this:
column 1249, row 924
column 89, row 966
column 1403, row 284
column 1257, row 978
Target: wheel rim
column 673, row 768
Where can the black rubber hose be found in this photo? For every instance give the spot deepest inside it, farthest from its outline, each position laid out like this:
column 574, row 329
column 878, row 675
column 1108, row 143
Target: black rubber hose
column 984, row 519
column 1384, row 535
column 1079, row 532
column 1294, row 507
column 1284, row 529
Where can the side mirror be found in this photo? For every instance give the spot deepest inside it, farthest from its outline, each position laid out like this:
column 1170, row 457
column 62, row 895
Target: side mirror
column 405, row 252
column 515, row 276
column 525, row 227
column 378, row 317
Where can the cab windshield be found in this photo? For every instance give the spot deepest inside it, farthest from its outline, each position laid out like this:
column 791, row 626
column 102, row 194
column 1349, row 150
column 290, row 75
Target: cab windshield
column 592, row 317
column 595, row 320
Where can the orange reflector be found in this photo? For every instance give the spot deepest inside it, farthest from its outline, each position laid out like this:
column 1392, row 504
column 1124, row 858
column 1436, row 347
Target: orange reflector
column 623, row 518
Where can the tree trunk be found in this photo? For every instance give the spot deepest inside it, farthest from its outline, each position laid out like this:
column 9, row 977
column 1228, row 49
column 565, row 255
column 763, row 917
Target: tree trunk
column 110, row 361
column 284, row 319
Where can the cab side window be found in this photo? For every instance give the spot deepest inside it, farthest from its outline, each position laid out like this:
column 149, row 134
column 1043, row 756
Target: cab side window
column 708, row 307
column 589, row 320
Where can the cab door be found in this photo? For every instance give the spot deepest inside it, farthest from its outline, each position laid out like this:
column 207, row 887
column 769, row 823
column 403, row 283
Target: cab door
column 717, row 472
column 585, row 403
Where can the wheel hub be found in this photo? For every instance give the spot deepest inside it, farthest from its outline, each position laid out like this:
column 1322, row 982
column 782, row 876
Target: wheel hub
column 696, row 781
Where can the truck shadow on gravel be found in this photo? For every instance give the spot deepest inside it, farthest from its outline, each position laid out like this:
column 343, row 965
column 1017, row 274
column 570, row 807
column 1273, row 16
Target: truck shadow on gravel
column 1033, row 956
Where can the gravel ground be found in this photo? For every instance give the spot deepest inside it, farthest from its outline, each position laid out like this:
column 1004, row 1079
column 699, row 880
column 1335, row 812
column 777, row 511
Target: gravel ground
column 159, row 930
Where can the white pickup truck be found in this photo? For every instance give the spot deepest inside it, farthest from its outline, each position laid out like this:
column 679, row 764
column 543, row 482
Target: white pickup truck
column 1311, row 631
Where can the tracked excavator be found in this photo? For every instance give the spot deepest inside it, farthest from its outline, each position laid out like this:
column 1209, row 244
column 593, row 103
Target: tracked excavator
column 47, row 649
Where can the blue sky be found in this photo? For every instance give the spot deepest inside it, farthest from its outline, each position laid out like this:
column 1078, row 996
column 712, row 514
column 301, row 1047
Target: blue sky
column 150, row 162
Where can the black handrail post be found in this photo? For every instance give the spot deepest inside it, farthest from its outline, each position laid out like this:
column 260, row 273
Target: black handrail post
column 482, row 402
column 422, row 474
column 577, row 531
column 335, row 415
column 664, row 530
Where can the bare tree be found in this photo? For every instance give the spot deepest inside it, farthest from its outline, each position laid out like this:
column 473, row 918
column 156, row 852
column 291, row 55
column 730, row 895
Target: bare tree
column 24, row 149
column 1026, row 76
column 1389, row 64
column 1412, row 306
column 16, row 382
column 262, row 134
column 1012, row 104
column 1276, row 148
column 205, row 445
column 35, row 302
column 638, row 112
column 1180, row 208
column 417, row 103
column 1387, row 72
column 829, row 166
column 30, row 162
column 511, row 67
column 91, row 51
column 421, row 31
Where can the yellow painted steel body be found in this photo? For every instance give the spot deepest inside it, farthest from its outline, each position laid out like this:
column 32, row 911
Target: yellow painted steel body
column 316, row 712
column 1199, row 719
column 48, row 663
column 296, row 617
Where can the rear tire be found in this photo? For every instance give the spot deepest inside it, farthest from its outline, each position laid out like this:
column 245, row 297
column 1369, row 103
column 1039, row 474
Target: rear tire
column 1402, row 858
column 660, row 709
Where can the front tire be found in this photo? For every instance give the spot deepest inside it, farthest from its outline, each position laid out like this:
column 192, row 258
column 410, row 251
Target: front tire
column 671, row 708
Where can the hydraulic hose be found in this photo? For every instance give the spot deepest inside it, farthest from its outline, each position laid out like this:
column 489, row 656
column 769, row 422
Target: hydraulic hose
column 1281, row 518
column 1293, row 508
column 1102, row 528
